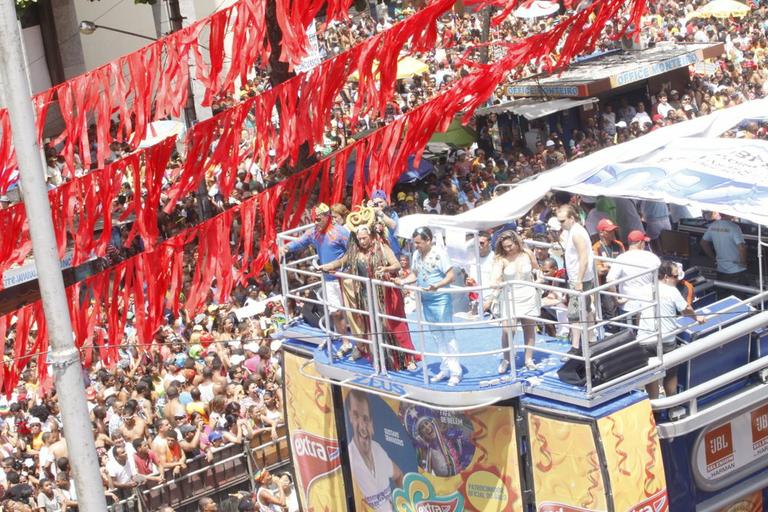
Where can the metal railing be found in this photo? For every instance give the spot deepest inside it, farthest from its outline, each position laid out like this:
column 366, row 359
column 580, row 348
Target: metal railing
column 232, row 465
column 376, row 317
column 689, row 398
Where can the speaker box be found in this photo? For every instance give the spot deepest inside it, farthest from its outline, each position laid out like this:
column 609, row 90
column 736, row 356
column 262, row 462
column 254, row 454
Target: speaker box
column 619, row 363
column 312, row 313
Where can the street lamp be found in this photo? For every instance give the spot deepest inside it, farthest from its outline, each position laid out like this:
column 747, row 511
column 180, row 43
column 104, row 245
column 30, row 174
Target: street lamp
column 88, row 27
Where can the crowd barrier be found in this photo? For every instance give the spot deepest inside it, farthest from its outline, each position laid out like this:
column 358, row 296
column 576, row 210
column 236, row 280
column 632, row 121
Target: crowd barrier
column 232, row 465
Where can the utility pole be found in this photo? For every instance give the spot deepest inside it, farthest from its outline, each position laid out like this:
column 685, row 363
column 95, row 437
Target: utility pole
column 190, row 114
column 64, row 358
column 176, row 20
column 485, row 30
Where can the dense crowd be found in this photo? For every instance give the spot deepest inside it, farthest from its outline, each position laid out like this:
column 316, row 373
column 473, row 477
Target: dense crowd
column 214, row 379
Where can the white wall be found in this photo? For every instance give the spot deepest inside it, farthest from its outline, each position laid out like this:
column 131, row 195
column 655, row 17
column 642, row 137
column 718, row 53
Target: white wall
column 37, row 67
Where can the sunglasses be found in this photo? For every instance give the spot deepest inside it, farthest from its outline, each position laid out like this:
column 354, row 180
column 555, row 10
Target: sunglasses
column 423, row 233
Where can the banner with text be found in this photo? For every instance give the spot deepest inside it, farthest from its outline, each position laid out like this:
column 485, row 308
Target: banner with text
column 314, row 439
column 408, row 458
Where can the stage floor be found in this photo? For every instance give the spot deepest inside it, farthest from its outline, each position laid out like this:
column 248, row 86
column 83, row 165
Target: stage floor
column 479, row 373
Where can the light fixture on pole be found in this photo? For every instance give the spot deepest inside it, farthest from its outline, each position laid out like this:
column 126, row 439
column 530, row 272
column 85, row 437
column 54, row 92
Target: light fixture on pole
column 88, row 27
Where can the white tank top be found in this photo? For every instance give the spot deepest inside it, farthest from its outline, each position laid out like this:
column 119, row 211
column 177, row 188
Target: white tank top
column 572, row 255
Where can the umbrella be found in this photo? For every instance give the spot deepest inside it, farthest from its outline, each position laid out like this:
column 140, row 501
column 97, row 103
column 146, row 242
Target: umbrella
column 721, row 9
column 410, row 174
column 161, row 130
column 537, row 9
column 457, row 134
column 406, row 68
column 416, row 173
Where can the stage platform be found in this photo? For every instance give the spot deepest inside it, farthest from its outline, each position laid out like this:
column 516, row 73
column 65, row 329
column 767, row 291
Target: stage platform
column 481, row 383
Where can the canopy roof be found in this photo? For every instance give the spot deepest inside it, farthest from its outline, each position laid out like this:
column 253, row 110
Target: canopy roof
column 721, row 9
column 686, row 164
column 535, row 108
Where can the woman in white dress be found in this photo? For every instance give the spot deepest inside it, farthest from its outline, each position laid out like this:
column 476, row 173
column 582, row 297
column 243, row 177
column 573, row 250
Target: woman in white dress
column 513, row 262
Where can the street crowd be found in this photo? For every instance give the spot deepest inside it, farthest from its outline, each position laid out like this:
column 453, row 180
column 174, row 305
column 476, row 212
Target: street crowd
column 215, row 379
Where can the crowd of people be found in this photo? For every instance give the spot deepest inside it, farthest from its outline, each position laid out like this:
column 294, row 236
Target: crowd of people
column 215, row 378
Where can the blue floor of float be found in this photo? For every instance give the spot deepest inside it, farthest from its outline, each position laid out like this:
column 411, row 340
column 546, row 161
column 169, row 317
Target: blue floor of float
column 477, row 371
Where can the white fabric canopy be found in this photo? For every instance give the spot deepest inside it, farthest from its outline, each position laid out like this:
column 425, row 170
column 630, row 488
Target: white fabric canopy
column 537, row 9
column 681, row 164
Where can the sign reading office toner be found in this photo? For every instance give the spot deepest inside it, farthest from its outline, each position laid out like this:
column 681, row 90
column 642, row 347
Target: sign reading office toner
column 733, row 449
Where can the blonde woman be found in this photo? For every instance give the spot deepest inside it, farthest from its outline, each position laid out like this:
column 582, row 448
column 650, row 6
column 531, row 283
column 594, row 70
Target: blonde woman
column 513, row 262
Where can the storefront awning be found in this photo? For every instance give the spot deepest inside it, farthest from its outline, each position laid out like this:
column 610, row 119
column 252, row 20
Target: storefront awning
column 531, row 108
column 597, row 75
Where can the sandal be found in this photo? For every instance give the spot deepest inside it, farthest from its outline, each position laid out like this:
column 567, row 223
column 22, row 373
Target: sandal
column 345, row 349
column 411, row 367
column 530, row 365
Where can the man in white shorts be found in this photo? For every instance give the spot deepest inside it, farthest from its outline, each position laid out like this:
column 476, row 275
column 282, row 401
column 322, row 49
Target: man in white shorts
column 373, row 472
column 330, row 242
column 671, row 304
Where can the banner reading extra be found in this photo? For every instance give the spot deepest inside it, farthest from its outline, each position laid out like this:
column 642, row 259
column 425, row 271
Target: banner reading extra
column 408, row 458
column 314, row 440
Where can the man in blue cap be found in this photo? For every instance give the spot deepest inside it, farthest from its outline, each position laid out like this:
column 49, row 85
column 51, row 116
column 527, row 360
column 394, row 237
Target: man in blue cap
column 388, row 216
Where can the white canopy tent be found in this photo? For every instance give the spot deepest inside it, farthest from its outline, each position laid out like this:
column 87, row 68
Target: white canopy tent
column 685, row 164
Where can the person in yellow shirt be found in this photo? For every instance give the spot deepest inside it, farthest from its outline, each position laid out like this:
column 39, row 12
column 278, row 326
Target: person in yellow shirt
column 197, row 405
column 36, row 433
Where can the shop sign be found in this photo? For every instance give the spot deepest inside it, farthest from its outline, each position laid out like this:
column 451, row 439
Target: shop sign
column 657, row 68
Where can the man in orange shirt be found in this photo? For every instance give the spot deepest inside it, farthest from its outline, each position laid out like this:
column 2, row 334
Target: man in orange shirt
column 607, row 247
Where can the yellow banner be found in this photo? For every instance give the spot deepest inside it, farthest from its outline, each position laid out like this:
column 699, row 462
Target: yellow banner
column 408, row 458
column 565, row 466
column 633, row 458
column 314, row 439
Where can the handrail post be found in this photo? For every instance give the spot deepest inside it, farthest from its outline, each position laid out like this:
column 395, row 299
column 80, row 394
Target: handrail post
column 249, row 465
column 597, row 300
column 380, row 324
column 760, row 245
column 373, row 332
column 657, row 321
column 326, row 318
column 284, row 286
column 420, row 321
column 512, row 349
column 585, row 348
